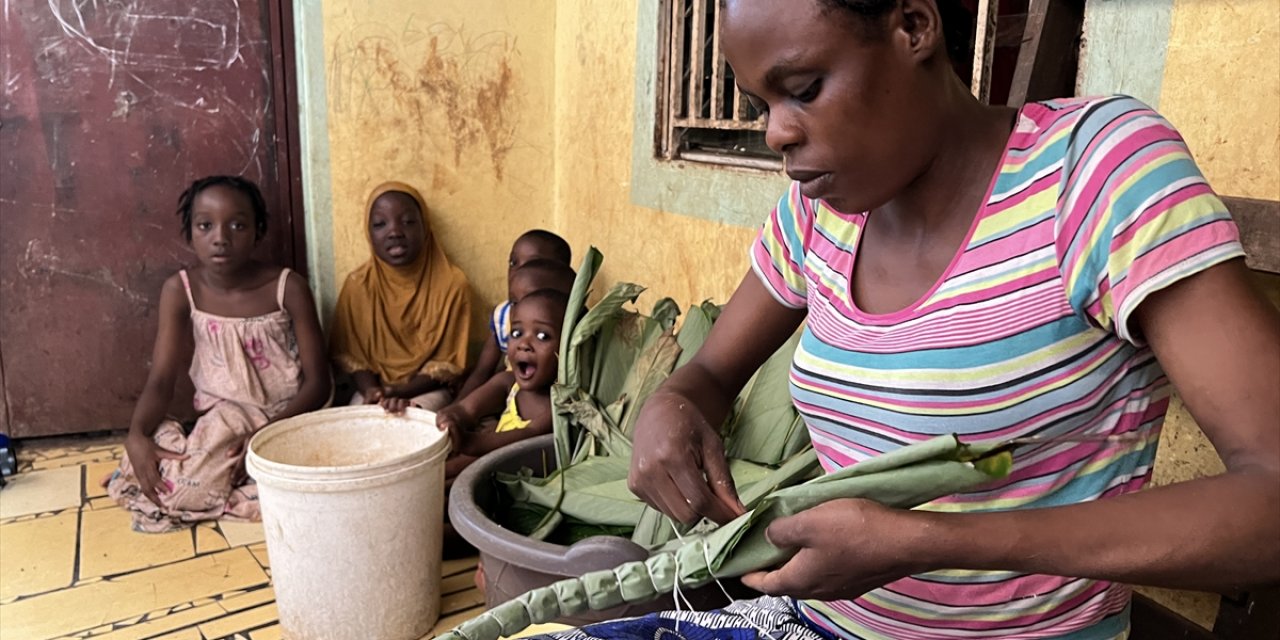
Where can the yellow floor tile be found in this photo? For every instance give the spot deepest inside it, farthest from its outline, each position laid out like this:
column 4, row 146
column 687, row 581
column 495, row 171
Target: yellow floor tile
column 163, row 621
column 248, row 600
column 185, row 634
column 268, row 633
column 460, row 582
column 240, row 622
column 37, row 555
column 109, row 546
column 461, row 601
column 450, row 567
column 94, row 472
column 239, row 534
column 208, row 539
column 71, row 459
column 40, row 492
column 84, row 607
column 102, row 502
column 259, row 551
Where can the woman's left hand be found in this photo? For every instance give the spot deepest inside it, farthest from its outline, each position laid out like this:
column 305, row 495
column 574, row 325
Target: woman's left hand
column 845, row 548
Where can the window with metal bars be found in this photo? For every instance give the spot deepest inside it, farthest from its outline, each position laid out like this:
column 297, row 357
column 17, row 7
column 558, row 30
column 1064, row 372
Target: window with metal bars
column 702, row 117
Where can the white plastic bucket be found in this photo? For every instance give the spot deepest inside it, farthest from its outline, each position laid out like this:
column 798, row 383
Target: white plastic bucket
column 353, row 507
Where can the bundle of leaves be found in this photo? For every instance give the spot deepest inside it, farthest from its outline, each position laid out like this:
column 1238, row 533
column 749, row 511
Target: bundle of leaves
column 612, row 358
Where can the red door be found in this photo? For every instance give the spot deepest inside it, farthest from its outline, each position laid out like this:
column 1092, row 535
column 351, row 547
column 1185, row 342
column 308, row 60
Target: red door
column 109, row 109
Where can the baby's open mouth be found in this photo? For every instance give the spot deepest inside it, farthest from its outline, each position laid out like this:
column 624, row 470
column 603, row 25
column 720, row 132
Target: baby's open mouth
column 526, row 369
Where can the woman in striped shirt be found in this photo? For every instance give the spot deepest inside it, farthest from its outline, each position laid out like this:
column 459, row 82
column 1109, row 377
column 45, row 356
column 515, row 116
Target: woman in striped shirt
column 1049, row 273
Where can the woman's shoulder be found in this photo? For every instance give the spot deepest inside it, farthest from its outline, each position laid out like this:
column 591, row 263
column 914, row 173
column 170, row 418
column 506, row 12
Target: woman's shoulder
column 1086, row 118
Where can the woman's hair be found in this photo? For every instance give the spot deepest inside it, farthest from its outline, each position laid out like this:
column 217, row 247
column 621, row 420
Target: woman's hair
column 243, row 185
column 957, row 21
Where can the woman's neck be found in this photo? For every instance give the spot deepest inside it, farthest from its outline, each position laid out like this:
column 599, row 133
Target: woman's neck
column 971, row 138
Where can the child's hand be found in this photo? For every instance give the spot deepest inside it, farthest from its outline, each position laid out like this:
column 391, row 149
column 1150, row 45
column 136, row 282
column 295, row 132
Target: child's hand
column 447, row 420
column 372, row 395
column 394, row 405
column 145, row 456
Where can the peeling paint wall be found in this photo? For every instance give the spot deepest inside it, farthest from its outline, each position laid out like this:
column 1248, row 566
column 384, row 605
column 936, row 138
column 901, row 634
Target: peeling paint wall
column 687, row 258
column 1220, row 87
column 454, row 98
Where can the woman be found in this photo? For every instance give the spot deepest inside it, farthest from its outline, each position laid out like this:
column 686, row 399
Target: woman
column 402, row 320
column 962, row 268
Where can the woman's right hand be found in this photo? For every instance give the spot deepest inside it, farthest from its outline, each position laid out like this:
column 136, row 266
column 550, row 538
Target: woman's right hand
column 678, row 462
column 145, row 456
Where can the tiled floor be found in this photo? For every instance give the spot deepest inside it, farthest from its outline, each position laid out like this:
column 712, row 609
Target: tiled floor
column 70, row 566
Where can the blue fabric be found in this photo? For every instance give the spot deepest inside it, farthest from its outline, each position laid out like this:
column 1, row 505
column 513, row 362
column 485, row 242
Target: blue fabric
column 760, row 619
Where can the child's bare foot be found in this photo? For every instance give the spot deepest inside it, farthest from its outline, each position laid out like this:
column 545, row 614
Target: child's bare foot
column 480, row 576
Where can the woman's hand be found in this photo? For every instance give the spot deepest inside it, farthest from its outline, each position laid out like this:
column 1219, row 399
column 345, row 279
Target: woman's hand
column 845, row 548
column 678, row 464
column 145, row 456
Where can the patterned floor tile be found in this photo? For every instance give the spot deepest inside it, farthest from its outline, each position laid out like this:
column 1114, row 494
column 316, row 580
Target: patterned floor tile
column 40, row 491
column 88, row 606
column 94, row 474
column 209, row 539
column 57, row 521
column 239, row 534
column 109, row 546
column 38, row 555
column 240, row 621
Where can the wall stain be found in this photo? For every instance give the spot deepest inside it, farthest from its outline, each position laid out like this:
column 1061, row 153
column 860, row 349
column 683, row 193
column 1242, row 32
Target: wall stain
column 456, row 87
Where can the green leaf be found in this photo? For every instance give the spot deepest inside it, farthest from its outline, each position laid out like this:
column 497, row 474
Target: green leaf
column 766, row 428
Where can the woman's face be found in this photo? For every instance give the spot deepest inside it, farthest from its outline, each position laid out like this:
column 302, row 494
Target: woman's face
column 396, row 228
column 847, row 102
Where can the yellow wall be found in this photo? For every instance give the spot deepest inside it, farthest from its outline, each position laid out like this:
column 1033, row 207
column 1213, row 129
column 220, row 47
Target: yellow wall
column 507, row 116
column 687, row 258
column 1221, row 89
column 455, row 98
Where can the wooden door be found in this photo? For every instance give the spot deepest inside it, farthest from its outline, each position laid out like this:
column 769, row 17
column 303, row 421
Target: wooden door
column 108, row 110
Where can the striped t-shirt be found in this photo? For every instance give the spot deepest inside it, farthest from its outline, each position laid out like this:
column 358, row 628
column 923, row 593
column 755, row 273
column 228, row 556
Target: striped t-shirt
column 1096, row 204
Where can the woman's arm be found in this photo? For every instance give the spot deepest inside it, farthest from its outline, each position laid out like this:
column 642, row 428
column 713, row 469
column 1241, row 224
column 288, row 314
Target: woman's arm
column 678, row 465
column 1219, row 342
column 490, row 355
column 317, row 383
column 170, row 356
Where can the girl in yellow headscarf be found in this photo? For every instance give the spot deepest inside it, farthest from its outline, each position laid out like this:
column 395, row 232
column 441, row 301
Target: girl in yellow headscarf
column 401, row 326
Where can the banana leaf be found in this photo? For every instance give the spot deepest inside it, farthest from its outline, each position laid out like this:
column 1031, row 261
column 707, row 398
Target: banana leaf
column 766, row 428
column 907, row 477
column 694, row 331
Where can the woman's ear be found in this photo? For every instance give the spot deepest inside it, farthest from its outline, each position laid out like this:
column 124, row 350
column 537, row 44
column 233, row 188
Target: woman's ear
column 921, row 28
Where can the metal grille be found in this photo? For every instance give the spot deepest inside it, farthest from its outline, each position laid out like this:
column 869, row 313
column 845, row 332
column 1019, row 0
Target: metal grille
column 705, row 117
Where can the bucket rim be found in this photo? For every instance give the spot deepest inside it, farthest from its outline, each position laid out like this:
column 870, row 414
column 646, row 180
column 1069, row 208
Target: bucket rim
column 437, row 448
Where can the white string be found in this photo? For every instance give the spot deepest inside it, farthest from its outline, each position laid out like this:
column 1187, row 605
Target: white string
column 706, row 555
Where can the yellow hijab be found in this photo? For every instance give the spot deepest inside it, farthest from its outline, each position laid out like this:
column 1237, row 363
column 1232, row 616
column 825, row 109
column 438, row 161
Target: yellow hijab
column 401, row 321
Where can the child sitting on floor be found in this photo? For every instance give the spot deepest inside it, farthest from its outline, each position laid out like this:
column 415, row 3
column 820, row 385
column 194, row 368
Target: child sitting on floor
column 400, row 328
column 250, row 335
column 534, row 245
column 521, row 396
